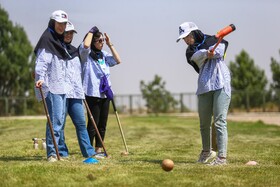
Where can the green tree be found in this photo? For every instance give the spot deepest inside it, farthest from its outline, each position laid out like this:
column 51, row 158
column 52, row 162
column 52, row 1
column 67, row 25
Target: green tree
column 158, row 99
column 275, row 85
column 16, row 55
column 248, row 82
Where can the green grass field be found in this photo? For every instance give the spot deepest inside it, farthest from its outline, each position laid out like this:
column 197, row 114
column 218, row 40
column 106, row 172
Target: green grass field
column 150, row 139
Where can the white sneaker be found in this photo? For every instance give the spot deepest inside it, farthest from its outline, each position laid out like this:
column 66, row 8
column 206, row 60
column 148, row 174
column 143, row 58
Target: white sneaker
column 206, row 156
column 52, row 159
column 100, row 155
column 218, row 162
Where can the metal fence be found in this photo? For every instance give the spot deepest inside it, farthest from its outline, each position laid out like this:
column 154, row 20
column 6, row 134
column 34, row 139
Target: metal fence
column 12, row 106
column 135, row 104
column 131, row 104
column 127, row 104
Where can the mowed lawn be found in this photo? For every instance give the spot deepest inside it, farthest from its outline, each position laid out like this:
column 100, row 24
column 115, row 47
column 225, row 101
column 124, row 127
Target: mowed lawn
column 150, row 139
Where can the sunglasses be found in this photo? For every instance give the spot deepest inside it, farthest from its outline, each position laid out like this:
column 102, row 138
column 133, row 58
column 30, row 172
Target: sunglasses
column 101, row 40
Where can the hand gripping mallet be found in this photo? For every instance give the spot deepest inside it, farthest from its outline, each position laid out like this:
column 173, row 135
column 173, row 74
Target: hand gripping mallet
column 222, row 33
column 95, row 127
column 120, row 127
column 49, row 122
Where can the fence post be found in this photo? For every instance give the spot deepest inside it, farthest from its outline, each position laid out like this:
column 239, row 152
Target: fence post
column 263, row 103
column 130, row 104
column 247, row 101
column 6, row 105
column 24, row 106
column 181, row 102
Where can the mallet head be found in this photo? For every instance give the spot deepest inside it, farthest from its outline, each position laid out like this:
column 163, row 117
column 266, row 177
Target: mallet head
column 125, row 153
column 225, row 31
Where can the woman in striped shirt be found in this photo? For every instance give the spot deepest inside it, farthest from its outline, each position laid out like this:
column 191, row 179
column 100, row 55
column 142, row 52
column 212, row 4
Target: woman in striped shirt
column 214, row 89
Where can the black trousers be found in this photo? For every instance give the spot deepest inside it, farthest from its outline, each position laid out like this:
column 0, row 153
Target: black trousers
column 99, row 108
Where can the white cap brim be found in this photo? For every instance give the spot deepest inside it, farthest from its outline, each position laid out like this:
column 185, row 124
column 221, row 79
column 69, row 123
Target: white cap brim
column 61, row 20
column 182, row 36
column 71, row 30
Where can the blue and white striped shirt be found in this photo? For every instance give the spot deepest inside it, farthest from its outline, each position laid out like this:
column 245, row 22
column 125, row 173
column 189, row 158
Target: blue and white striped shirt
column 74, row 74
column 92, row 72
column 214, row 73
column 52, row 71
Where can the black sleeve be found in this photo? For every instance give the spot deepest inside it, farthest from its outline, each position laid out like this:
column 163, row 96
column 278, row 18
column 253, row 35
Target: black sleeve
column 189, row 52
column 193, row 64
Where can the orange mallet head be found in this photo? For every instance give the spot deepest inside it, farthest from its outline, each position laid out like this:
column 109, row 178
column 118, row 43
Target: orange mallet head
column 225, row 31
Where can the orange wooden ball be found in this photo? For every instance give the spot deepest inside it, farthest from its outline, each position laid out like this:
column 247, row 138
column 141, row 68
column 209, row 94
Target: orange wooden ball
column 167, row 165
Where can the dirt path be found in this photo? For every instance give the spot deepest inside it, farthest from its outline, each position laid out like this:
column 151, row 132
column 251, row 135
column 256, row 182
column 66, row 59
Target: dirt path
column 267, row 118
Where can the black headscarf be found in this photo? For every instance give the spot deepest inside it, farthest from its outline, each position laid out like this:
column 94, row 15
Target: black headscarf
column 202, row 41
column 52, row 42
column 95, row 53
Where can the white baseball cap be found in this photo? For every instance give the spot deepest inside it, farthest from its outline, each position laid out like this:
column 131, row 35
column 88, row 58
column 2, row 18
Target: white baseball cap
column 70, row 27
column 60, row 16
column 185, row 29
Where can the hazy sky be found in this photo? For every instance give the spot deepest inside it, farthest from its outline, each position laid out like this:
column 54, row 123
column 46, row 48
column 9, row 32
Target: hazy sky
column 144, row 33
